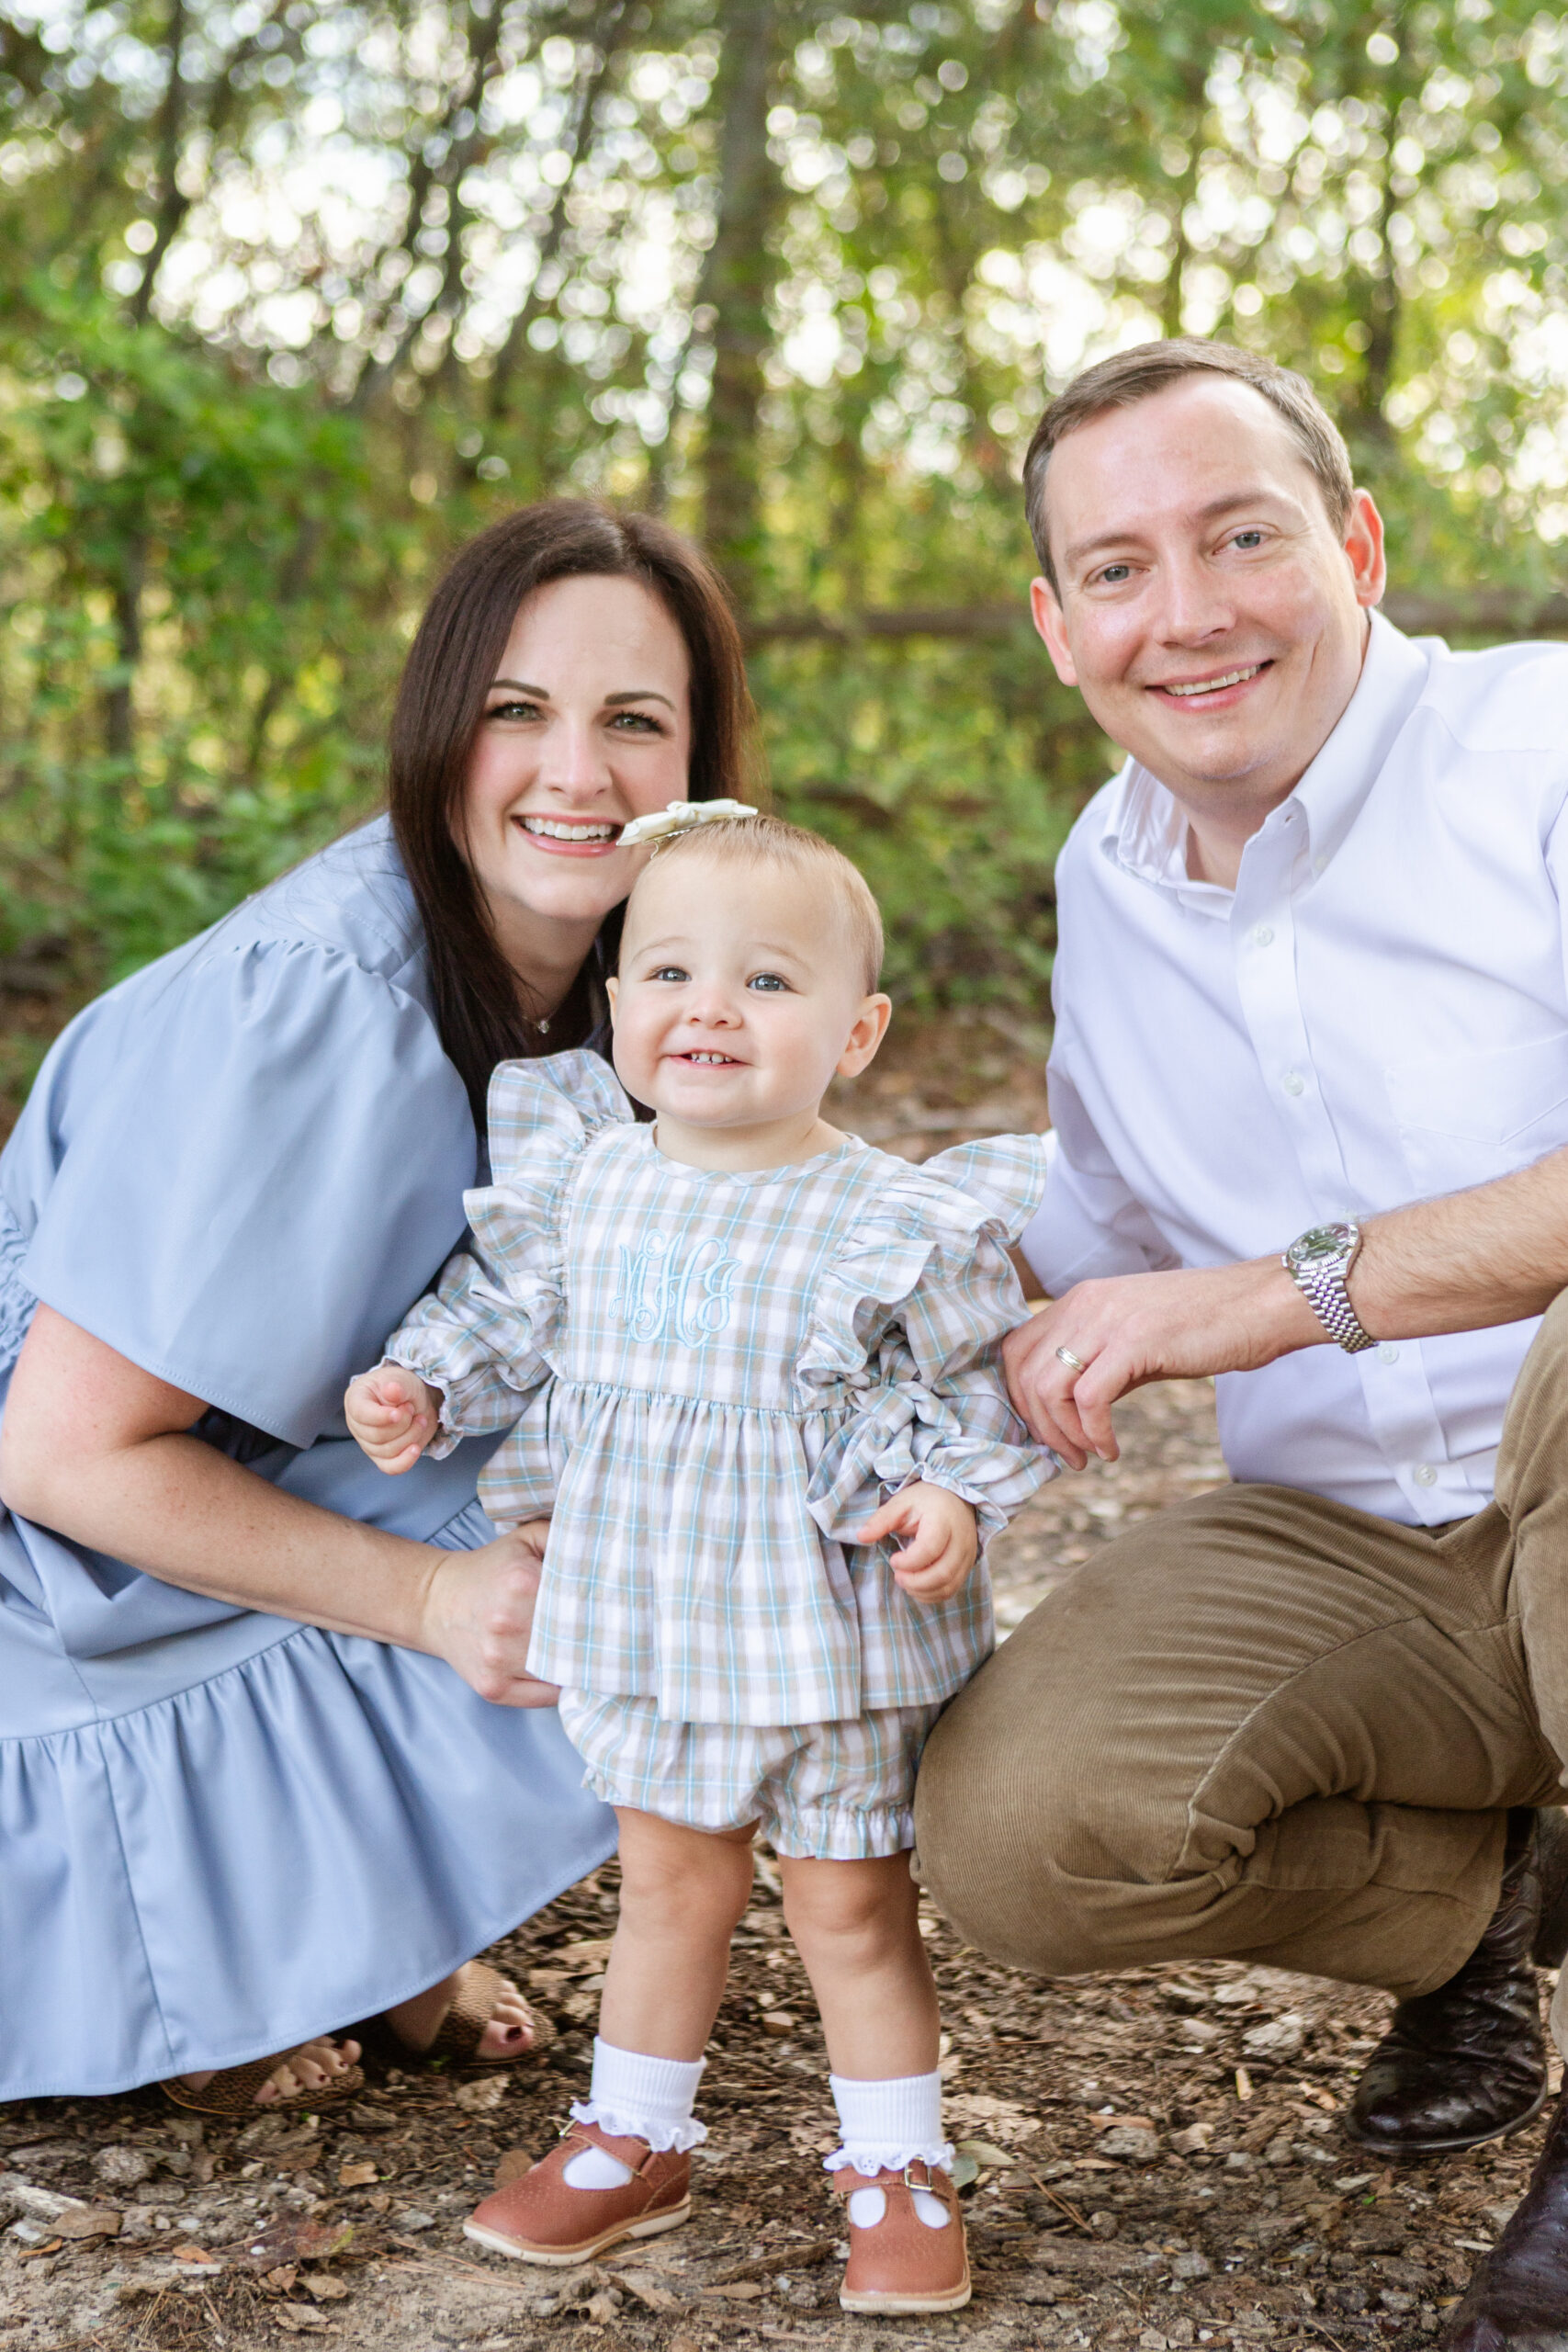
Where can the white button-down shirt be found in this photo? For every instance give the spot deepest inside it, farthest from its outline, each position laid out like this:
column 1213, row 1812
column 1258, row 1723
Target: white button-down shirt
column 1378, row 1013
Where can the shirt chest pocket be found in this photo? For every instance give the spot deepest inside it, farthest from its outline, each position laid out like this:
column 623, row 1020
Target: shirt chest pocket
column 1464, row 1118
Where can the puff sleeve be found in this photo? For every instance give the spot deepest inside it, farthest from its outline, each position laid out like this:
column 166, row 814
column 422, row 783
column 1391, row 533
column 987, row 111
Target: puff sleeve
column 484, row 1336
column 913, row 1320
column 238, row 1170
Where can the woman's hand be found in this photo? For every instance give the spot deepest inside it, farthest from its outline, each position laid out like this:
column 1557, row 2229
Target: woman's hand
column 478, row 1615
column 943, row 1544
column 392, row 1415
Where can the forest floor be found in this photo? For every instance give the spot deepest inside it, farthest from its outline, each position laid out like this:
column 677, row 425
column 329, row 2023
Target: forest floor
column 1157, row 2154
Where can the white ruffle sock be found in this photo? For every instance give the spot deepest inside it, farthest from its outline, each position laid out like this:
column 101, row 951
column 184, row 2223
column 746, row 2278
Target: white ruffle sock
column 886, row 2126
column 635, row 2098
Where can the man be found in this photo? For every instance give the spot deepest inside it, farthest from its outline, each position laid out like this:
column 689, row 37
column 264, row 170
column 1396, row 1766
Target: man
column 1310, row 1087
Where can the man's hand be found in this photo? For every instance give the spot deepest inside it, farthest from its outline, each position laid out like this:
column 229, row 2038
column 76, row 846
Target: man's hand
column 1137, row 1328
column 943, row 1545
column 392, row 1415
column 478, row 1615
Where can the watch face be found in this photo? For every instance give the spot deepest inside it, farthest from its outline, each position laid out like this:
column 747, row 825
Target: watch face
column 1321, row 1242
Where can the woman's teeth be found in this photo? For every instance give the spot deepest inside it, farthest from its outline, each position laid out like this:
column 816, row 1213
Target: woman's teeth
column 1216, row 685
column 556, row 829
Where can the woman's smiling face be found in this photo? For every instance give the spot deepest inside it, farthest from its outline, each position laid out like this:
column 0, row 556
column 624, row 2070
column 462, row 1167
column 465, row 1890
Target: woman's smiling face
column 587, row 724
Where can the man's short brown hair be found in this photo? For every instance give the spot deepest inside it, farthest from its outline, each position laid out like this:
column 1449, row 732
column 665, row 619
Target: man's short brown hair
column 1148, row 368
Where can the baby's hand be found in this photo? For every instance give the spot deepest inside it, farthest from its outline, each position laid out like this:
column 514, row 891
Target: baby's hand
column 943, row 1545
column 393, row 1415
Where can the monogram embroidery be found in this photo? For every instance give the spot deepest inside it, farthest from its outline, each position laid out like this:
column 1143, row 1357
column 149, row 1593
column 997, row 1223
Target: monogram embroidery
column 658, row 1294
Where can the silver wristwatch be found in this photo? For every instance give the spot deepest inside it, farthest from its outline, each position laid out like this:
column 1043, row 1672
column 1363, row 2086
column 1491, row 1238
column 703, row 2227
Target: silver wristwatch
column 1319, row 1261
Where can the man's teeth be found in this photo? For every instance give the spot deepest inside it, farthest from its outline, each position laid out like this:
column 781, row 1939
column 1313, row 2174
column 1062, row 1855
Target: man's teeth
column 555, row 828
column 1213, row 685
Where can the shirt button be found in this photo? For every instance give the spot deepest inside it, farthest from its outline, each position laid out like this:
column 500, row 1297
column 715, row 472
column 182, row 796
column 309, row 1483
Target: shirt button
column 1263, row 935
column 1294, row 1082
column 1389, row 1353
column 1424, row 1475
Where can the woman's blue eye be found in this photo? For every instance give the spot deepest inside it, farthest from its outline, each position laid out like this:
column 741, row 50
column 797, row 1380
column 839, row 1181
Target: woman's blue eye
column 769, row 980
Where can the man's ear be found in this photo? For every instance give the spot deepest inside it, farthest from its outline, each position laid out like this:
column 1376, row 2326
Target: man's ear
column 1364, row 548
column 1046, row 611
column 870, row 1028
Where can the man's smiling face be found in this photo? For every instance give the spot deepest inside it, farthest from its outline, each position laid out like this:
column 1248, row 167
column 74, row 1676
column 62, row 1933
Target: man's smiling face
column 1207, row 609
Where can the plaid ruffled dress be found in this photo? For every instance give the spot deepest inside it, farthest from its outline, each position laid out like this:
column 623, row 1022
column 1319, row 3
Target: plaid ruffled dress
column 710, row 1381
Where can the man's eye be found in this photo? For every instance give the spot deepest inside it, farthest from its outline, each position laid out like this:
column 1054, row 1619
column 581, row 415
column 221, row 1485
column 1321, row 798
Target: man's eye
column 1114, row 575
column 771, row 981
column 1247, row 539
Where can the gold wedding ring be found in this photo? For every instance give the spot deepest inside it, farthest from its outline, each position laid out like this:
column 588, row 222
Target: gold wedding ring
column 1073, row 1362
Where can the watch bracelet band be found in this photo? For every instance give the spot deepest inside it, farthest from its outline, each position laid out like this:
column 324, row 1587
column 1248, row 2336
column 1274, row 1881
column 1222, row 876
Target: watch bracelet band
column 1326, row 1294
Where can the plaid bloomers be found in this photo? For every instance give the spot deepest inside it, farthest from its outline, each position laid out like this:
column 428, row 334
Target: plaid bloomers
column 837, row 1793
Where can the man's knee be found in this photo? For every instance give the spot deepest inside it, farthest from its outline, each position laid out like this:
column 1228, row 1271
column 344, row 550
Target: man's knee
column 1030, row 1833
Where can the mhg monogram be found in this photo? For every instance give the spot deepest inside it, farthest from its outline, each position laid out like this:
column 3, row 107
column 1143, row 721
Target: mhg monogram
column 659, row 1295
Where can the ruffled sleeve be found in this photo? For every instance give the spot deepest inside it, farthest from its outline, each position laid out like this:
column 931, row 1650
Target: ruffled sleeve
column 908, row 1328
column 484, row 1335
column 238, row 1168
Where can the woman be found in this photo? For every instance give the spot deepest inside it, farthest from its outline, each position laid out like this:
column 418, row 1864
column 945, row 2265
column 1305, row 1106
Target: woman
column 271, row 1761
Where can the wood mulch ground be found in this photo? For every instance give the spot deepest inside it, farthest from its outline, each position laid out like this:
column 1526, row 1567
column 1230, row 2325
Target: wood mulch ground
column 1157, row 2154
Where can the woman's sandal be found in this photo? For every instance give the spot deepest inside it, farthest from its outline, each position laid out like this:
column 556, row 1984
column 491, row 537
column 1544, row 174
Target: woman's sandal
column 461, row 2029
column 232, row 2091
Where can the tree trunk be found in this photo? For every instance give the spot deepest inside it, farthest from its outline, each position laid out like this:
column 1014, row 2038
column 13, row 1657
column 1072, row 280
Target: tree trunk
column 737, row 280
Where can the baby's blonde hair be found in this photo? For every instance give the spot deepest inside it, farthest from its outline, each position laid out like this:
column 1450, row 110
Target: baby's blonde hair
column 771, row 840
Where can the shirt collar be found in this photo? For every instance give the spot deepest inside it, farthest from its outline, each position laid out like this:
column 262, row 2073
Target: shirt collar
column 1145, row 832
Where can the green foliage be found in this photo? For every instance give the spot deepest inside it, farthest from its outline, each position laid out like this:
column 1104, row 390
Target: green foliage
column 293, row 296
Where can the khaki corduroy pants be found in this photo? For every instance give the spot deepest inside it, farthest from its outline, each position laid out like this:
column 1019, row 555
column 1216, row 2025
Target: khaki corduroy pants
column 1266, row 1727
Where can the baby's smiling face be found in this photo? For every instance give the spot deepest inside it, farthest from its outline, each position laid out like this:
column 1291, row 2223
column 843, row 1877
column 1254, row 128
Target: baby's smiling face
column 740, row 994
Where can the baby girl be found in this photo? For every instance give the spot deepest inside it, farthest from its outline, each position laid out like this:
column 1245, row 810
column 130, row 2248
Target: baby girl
column 749, row 1369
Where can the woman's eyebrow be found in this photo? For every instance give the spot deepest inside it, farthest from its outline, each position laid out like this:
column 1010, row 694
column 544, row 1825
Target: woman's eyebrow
column 641, row 693
column 516, row 687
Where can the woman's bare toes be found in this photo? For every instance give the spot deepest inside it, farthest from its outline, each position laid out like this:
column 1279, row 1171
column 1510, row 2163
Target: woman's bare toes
column 312, row 2067
column 510, row 2027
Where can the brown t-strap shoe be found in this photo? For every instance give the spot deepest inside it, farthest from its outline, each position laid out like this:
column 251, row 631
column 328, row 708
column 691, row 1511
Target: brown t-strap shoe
column 541, row 2218
column 899, row 2264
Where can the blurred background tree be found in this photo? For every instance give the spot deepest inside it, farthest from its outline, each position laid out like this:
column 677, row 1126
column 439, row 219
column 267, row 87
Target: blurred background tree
column 293, row 296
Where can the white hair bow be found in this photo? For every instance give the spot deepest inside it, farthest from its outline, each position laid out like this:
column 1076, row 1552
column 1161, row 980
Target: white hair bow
column 679, row 818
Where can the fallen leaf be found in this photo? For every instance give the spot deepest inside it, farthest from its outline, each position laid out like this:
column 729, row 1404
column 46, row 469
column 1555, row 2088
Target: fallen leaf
column 744, row 2290
column 658, row 2299
column 513, row 2164
column 1243, row 2083
column 281, row 2281
column 357, row 2176
column 380, row 2204
column 296, row 2316
column 479, row 2097
column 192, row 2253
column 36, row 2253
column 965, row 2170
column 577, row 1957
column 88, row 2222
column 322, row 2288
column 984, row 2152
column 778, row 2022
column 292, row 2238
column 1122, row 2122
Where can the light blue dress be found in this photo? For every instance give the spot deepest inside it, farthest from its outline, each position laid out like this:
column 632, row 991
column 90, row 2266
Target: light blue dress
column 222, row 1832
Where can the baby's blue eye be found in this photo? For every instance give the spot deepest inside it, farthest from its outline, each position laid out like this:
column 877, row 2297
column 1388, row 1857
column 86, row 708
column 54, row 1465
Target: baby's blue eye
column 670, row 972
column 767, row 981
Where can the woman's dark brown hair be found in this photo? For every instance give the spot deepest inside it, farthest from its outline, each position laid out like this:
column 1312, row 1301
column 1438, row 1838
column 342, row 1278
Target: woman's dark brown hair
column 441, row 703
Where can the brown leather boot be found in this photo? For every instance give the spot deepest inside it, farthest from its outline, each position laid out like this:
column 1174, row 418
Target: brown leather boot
column 1518, row 2300
column 1468, row 2061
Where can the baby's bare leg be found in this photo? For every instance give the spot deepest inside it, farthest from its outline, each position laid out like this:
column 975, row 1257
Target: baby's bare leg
column 856, row 1925
column 681, row 1893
